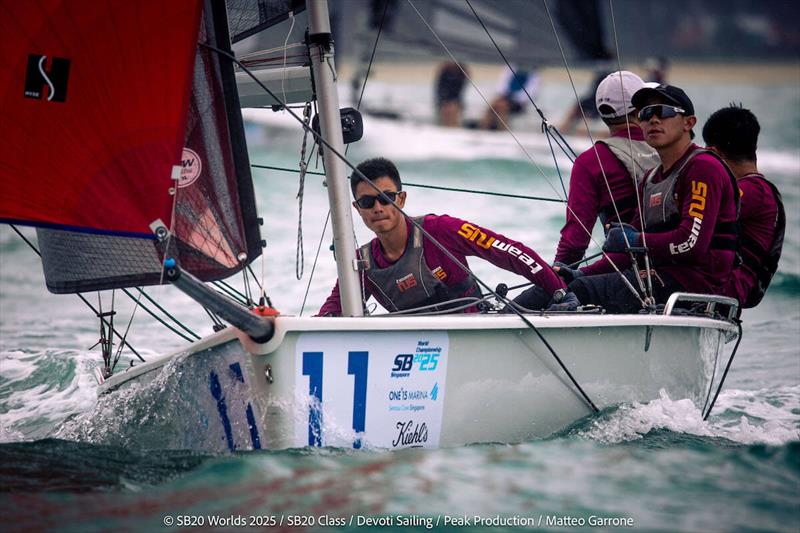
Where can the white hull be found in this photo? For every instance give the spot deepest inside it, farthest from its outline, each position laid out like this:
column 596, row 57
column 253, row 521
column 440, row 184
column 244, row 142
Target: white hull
column 396, row 382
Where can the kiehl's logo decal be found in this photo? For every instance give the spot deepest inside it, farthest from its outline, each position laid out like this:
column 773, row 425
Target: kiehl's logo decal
column 38, row 77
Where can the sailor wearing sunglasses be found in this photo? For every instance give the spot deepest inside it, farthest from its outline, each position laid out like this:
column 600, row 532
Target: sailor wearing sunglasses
column 402, row 269
column 689, row 208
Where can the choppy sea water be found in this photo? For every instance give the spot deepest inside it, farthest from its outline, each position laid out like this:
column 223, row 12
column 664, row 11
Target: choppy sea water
column 658, row 465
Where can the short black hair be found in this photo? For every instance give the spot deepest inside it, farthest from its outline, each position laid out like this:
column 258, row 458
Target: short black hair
column 733, row 130
column 373, row 169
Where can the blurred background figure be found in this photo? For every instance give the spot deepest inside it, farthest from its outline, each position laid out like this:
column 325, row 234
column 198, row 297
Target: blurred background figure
column 450, row 82
column 656, row 70
column 574, row 117
column 514, row 91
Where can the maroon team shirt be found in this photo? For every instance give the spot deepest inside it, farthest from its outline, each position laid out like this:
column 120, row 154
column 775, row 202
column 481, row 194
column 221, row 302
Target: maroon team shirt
column 462, row 239
column 588, row 195
column 758, row 212
column 705, row 197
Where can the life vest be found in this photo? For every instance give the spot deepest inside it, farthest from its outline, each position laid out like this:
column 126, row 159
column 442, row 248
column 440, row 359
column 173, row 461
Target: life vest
column 661, row 211
column 764, row 263
column 644, row 158
column 409, row 283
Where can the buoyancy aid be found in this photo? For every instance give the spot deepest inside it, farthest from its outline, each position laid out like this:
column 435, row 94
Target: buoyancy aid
column 764, row 263
column 661, row 211
column 644, row 158
column 409, row 283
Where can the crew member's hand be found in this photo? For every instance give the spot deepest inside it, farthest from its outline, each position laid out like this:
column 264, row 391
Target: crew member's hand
column 566, row 302
column 615, row 239
column 567, row 274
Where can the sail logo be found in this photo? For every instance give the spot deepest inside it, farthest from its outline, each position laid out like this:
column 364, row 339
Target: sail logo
column 191, row 167
column 38, row 77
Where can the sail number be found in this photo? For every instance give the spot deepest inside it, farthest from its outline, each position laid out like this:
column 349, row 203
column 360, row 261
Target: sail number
column 357, row 364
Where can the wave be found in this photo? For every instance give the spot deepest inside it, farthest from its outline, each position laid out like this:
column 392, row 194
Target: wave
column 785, row 283
column 763, row 417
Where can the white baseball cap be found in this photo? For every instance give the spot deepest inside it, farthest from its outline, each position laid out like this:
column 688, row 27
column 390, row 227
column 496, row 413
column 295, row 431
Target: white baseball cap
column 616, row 91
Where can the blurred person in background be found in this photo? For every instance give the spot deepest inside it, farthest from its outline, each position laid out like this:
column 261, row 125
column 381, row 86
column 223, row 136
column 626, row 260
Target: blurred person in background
column 656, row 70
column 574, row 116
column 450, row 82
column 732, row 132
column 515, row 89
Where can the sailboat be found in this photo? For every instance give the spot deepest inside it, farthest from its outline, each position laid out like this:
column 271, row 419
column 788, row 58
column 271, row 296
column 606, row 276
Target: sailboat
column 141, row 176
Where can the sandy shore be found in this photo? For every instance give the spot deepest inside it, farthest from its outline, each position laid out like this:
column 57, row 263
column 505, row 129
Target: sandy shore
column 768, row 74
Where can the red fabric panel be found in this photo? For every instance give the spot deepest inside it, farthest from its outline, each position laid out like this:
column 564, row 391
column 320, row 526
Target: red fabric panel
column 102, row 158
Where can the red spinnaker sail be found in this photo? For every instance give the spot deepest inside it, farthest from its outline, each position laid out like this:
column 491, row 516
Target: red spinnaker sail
column 93, row 104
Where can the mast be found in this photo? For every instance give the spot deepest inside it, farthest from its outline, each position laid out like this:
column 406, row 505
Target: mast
column 321, row 47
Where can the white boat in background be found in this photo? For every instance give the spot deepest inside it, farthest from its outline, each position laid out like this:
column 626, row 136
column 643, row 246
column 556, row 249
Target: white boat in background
column 355, row 381
column 424, row 141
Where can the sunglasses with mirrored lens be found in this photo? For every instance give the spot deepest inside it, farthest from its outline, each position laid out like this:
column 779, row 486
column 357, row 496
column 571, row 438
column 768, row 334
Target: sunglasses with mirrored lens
column 660, row 111
column 367, row 201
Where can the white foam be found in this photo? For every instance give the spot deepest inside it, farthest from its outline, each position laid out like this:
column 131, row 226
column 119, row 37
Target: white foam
column 747, row 417
column 15, row 366
column 37, row 409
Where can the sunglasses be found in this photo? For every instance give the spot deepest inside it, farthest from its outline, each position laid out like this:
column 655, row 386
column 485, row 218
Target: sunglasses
column 660, row 111
column 367, row 201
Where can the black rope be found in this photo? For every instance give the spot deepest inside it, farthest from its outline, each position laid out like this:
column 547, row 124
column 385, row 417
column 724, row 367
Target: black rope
column 158, row 318
column 545, row 122
column 727, row 367
column 439, row 187
column 167, row 313
column 546, row 127
column 79, row 295
column 372, row 57
column 433, row 240
column 231, row 292
column 358, row 107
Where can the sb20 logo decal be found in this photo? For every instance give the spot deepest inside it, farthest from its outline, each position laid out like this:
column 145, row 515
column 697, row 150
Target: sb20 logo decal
column 426, row 362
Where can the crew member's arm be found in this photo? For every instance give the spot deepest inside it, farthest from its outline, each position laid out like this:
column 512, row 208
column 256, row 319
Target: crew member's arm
column 470, row 239
column 583, row 204
column 333, row 305
column 701, row 192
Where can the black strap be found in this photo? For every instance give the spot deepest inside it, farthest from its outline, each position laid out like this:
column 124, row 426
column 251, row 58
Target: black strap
column 623, row 204
column 719, row 242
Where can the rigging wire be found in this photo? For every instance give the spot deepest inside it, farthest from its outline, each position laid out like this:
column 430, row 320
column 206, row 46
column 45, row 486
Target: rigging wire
column 649, row 292
column 602, row 170
column 160, row 308
column 358, row 107
column 530, row 158
column 545, row 123
column 437, row 187
column 727, row 367
column 79, row 295
column 316, row 256
column 433, row 240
